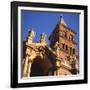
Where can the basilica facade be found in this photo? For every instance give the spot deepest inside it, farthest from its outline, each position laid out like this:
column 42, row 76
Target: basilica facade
column 59, row 58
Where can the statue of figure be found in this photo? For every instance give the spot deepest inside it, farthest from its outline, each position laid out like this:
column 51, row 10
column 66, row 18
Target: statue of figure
column 42, row 38
column 76, row 63
column 72, row 62
column 31, row 36
column 57, row 48
column 71, row 58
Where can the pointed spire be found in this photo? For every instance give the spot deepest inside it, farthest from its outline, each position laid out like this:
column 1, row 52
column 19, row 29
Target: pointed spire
column 62, row 20
column 42, row 38
column 31, row 36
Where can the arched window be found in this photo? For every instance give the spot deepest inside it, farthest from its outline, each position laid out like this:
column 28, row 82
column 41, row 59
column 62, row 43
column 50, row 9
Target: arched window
column 66, row 48
column 71, row 38
column 70, row 51
column 65, row 35
column 73, row 51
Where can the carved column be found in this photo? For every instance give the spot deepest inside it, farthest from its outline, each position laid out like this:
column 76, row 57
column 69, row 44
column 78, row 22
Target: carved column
column 58, row 63
column 58, row 66
column 57, row 50
column 25, row 66
column 29, row 68
column 55, row 72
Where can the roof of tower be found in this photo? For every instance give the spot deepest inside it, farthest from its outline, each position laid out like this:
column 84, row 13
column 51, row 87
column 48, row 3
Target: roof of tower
column 62, row 21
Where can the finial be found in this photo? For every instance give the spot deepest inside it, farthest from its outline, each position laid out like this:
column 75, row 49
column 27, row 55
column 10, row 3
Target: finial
column 43, row 38
column 61, row 16
column 31, row 35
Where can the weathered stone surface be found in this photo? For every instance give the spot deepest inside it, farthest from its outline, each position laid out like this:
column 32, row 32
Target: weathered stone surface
column 60, row 58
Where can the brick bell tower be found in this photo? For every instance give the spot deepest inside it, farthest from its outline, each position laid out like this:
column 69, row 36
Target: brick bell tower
column 63, row 42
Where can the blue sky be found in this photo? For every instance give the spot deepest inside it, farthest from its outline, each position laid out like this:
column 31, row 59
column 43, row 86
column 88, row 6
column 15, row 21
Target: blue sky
column 46, row 22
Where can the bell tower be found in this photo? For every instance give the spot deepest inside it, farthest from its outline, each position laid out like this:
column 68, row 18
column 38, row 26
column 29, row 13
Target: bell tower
column 63, row 42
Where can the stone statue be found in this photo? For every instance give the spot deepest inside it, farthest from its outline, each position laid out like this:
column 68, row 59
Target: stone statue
column 72, row 62
column 42, row 38
column 57, row 48
column 31, row 36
